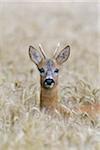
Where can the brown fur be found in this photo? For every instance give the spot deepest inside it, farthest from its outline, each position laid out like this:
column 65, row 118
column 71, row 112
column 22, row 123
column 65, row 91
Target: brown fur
column 49, row 98
column 92, row 110
column 49, row 101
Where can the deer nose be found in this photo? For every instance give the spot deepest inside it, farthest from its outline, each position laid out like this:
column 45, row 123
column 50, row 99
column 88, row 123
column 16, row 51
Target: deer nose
column 49, row 81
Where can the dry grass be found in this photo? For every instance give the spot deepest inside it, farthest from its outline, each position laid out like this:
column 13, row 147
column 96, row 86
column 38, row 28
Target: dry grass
column 22, row 125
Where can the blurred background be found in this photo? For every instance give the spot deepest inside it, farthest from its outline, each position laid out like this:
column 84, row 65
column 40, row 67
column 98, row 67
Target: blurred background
column 75, row 24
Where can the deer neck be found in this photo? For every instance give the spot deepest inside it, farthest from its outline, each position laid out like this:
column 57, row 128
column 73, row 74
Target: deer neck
column 49, row 98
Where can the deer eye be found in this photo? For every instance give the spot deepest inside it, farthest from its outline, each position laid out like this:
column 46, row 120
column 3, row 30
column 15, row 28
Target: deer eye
column 41, row 70
column 56, row 70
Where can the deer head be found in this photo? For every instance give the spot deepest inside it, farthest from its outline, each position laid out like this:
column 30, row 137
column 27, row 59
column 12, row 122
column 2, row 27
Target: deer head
column 48, row 67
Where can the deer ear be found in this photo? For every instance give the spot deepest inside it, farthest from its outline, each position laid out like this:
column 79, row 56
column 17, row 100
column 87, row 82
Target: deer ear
column 63, row 55
column 35, row 55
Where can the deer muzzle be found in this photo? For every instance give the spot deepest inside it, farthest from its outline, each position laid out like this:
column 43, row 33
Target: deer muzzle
column 49, row 83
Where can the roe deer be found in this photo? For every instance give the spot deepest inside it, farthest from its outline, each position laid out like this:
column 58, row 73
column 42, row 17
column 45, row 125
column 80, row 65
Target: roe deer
column 49, row 71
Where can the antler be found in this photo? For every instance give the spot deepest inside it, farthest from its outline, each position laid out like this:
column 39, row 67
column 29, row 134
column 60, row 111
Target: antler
column 42, row 51
column 55, row 52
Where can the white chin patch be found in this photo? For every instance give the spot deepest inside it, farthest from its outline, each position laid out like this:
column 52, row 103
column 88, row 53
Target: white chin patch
column 49, row 86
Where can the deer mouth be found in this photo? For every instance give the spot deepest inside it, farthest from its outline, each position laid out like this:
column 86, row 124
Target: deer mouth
column 49, row 86
column 49, row 83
